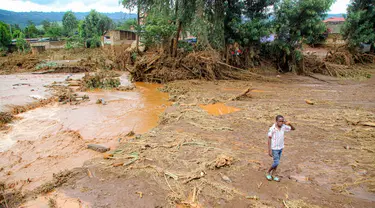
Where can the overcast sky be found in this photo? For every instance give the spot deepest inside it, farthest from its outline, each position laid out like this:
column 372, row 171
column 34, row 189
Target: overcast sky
column 99, row 5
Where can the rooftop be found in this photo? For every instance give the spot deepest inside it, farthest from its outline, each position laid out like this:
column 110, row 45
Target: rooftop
column 335, row 19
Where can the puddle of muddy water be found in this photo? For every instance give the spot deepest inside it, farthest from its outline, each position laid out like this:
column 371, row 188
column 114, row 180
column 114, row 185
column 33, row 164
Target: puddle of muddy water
column 218, row 109
column 50, row 139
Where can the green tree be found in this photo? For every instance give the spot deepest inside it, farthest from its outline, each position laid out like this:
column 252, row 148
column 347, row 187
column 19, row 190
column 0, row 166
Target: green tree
column 296, row 20
column 16, row 30
column 93, row 27
column 127, row 24
column 5, row 37
column 140, row 5
column 31, row 31
column 105, row 24
column 21, row 43
column 54, row 31
column 359, row 26
column 158, row 31
column 70, row 23
column 46, row 24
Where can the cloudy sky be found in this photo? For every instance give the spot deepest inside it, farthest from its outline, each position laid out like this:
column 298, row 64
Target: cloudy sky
column 99, row 5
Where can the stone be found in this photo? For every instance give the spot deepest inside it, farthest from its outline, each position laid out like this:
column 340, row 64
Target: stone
column 98, row 148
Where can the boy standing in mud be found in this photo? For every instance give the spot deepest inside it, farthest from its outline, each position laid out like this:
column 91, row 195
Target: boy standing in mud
column 276, row 144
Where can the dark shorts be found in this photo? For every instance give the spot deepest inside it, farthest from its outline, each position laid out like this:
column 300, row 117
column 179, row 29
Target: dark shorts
column 276, row 157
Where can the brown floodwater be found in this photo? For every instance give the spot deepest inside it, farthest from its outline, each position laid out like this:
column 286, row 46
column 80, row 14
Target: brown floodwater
column 218, row 109
column 54, row 138
column 21, row 89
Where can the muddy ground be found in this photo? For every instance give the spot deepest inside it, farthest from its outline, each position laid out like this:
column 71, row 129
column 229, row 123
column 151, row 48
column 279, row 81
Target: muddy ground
column 210, row 150
column 328, row 161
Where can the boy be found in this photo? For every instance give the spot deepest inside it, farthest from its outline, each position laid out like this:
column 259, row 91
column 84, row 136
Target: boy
column 276, row 144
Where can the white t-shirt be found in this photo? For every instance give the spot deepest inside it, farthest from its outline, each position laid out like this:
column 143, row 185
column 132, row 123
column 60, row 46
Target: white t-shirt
column 277, row 141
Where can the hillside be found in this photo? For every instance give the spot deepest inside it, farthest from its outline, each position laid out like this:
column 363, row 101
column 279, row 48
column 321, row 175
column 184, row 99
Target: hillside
column 22, row 18
column 335, row 15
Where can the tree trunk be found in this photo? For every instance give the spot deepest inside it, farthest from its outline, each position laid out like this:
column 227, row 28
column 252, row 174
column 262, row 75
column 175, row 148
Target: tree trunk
column 227, row 54
column 175, row 44
column 138, row 23
column 174, row 41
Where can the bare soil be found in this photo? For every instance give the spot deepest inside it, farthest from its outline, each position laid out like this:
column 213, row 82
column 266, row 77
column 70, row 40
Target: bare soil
column 209, row 148
column 196, row 159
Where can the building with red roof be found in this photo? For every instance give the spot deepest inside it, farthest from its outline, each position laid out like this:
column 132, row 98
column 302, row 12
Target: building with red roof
column 334, row 20
column 334, row 24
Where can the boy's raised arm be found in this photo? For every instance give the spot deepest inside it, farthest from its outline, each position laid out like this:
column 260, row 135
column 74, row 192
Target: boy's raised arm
column 289, row 124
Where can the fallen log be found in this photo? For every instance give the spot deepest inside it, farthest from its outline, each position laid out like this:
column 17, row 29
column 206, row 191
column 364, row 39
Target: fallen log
column 243, row 94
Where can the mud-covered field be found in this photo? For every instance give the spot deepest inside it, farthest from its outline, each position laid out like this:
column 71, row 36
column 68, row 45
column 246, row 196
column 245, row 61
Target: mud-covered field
column 208, row 148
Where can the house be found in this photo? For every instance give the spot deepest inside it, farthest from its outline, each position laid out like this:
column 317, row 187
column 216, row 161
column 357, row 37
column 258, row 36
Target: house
column 37, row 49
column 119, row 37
column 46, row 42
column 334, row 24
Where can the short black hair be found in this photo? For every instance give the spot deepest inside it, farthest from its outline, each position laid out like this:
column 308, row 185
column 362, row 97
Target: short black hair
column 279, row 116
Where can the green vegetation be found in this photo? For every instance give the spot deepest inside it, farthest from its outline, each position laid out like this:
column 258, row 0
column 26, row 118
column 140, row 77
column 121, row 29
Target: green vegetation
column 295, row 21
column 54, row 31
column 5, row 36
column 234, row 27
column 22, row 18
column 48, row 64
column 359, row 26
column 93, row 27
column 70, row 23
column 21, row 43
column 31, row 31
column 127, row 24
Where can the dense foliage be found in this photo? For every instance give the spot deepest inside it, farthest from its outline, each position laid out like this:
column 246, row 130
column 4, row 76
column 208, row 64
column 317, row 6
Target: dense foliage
column 5, row 36
column 70, row 23
column 295, row 21
column 22, row 18
column 93, row 27
column 359, row 26
column 234, row 27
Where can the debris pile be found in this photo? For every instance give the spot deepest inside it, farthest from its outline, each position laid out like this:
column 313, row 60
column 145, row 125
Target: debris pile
column 312, row 64
column 5, row 118
column 18, row 63
column 100, row 80
column 205, row 65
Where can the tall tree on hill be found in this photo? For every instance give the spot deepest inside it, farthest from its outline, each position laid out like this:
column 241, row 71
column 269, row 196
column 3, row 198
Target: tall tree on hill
column 70, row 23
column 359, row 26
